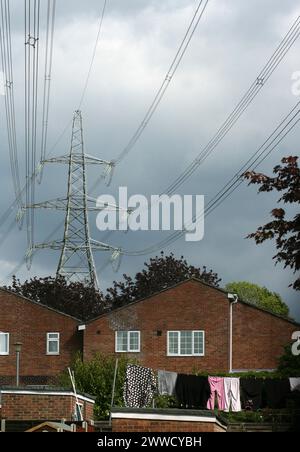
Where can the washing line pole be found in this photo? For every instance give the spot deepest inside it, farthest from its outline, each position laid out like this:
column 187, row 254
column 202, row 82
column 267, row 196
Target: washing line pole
column 113, row 389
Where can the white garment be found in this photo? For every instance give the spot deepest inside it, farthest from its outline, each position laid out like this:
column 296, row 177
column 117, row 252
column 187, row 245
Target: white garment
column 166, row 382
column 295, row 384
column 232, row 394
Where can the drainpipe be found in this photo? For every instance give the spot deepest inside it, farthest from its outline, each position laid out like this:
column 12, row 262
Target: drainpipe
column 233, row 299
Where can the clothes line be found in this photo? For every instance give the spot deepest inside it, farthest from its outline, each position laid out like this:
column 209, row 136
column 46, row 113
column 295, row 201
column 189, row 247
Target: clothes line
column 206, row 392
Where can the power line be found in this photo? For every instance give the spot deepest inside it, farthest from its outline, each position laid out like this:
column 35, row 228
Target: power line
column 281, row 131
column 89, row 72
column 242, row 105
column 166, row 82
column 31, row 30
column 7, row 64
column 245, row 101
column 30, row 178
column 51, row 6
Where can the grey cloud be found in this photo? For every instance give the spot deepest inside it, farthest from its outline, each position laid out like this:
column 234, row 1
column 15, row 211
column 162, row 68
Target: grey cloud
column 140, row 39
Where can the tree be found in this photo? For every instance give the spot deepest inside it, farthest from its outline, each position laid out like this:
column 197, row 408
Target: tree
column 259, row 296
column 161, row 272
column 84, row 302
column 96, row 377
column 289, row 364
column 73, row 298
column 286, row 232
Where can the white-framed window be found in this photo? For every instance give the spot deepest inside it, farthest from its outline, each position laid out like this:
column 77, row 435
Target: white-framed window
column 4, row 343
column 127, row 341
column 52, row 343
column 185, row 343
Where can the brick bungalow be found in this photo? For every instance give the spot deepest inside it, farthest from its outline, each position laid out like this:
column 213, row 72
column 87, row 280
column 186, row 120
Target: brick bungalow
column 49, row 340
column 182, row 328
column 189, row 327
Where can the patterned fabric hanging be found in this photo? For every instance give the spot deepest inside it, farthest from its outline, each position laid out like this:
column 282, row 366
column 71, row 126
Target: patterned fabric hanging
column 140, row 386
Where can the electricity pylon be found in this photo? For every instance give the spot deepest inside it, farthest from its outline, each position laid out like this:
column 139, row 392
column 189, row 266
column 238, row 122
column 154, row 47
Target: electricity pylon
column 76, row 259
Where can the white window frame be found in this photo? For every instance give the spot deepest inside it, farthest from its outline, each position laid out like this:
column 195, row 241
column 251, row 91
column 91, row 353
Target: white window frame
column 128, row 341
column 179, row 342
column 5, row 353
column 52, row 339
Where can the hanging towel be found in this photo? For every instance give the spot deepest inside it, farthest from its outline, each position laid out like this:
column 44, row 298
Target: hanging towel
column 140, row 386
column 192, row 391
column 232, row 394
column 216, row 386
column 166, row 382
column 276, row 392
column 251, row 393
column 295, row 384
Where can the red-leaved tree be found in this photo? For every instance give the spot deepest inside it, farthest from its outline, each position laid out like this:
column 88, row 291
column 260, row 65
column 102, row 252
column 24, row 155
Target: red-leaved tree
column 285, row 231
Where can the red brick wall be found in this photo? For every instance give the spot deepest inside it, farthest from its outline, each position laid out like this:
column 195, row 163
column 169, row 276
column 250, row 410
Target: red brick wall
column 189, row 306
column 258, row 336
column 141, row 425
column 28, row 323
column 42, row 407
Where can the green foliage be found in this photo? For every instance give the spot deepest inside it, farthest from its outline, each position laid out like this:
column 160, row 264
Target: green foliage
column 289, row 364
column 95, row 377
column 259, row 296
column 166, row 401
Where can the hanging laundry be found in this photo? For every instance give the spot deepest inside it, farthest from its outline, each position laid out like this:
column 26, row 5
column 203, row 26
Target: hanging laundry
column 216, row 386
column 251, row 393
column 295, row 384
column 192, row 391
column 276, row 392
column 166, row 382
column 140, row 386
column 232, row 394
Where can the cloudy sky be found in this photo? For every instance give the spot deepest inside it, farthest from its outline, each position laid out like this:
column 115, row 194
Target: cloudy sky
column 139, row 39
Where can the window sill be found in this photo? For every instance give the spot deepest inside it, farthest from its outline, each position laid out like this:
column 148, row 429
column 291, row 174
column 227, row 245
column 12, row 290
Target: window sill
column 128, row 351
column 52, row 354
column 184, row 356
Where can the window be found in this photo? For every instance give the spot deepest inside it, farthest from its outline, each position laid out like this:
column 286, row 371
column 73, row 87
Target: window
column 127, row 341
column 52, row 343
column 185, row 343
column 4, row 343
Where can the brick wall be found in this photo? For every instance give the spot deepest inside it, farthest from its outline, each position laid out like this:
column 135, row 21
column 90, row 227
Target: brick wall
column 28, row 323
column 258, row 336
column 129, row 425
column 188, row 306
column 164, row 420
column 46, row 406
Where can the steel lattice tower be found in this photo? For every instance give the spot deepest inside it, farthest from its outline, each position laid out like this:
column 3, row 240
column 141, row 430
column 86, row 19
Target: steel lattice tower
column 76, row 259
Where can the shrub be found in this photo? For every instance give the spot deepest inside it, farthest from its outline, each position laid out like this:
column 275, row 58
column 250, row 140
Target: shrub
column 95, row 377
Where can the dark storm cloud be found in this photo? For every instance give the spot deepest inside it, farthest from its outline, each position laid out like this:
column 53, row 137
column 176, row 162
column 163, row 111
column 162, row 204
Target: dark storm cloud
column 138, row 43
